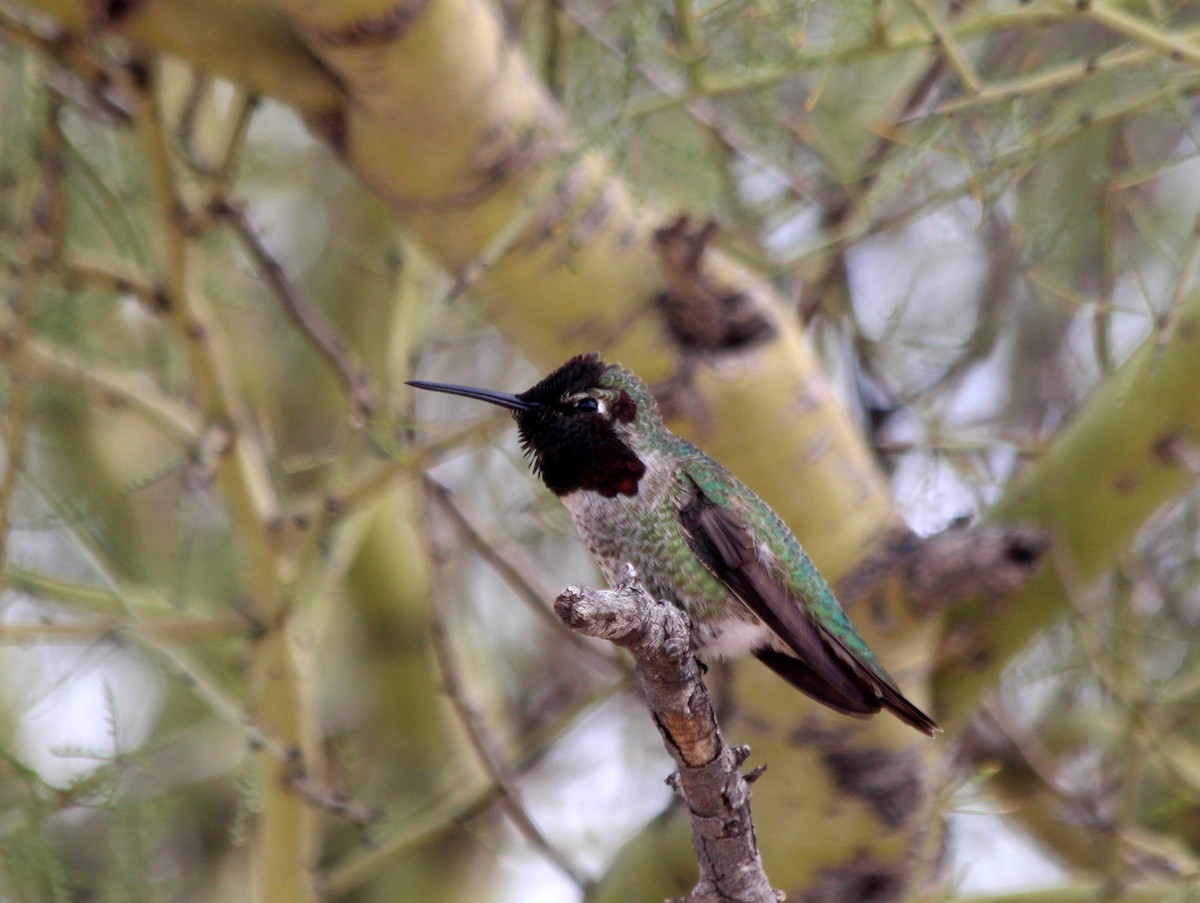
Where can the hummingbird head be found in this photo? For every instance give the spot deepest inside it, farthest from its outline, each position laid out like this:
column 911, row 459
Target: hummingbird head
column 582, row 427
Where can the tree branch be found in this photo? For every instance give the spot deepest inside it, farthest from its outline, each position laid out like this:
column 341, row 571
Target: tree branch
column 717, row 795
column 938, row 571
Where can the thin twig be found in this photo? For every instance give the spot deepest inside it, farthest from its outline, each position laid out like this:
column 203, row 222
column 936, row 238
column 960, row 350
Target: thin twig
column 303, row 313
column 513, row 566
column 245, row 107
column 41, row 249
column 96, row 600
column 1138, row 30
column 286, row 839
column 174, row 419
column 949, row 47
column 455, row 805
column 1184, row 283
column 177, row 663
column 490, row 757
column 332, row 506
column 244, row 473
column 74, row 56
column 835, row 215
column 88, row 272
column 1066, row 130
column 1045, row 80
column 690, row 47
column 335, row 802
column 899, row 42
column 698, row 108
column 166, row 629
column 455, row 808
column 378, row 478
column 185, row 128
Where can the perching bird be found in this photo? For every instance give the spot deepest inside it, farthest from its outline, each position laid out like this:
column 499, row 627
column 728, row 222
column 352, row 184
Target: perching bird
column 698, row 536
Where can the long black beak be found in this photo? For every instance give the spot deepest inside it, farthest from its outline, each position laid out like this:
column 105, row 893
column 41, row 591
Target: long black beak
column 503, row 399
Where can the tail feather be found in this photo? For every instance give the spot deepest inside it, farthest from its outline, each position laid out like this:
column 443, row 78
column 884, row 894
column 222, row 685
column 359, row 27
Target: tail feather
column 861, row 697
column 807, row 681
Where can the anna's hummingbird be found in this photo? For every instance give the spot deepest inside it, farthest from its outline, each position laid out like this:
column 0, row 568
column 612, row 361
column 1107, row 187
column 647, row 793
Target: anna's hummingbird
column 697, row 535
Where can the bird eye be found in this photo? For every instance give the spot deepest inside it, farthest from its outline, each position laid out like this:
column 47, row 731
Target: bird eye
column 587, row 406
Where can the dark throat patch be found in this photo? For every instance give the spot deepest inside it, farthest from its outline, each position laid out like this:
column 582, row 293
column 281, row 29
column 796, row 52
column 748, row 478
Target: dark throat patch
column 577, row 452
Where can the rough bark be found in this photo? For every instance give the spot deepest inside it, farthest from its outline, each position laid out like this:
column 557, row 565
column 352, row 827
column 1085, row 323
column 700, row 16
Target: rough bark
column 709, row 779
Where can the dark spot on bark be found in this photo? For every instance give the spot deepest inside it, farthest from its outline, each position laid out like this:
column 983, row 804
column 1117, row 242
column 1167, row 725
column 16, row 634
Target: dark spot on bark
column 1026, row 550
column 593, row 217
column 220, row 207
column 195, row 331
column 390, row 25
column 139, row 73
column 108, row 13
column 862, row 880
column 503, row 152
column 568, row 189
column 889, row 781
column 1166, row 448
column 119, row 9
column 331, row 125
column 700, row 313
column 978, row 659
column 161, row 301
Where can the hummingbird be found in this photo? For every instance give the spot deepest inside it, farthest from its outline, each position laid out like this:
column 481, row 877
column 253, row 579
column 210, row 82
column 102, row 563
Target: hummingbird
column 699, row 537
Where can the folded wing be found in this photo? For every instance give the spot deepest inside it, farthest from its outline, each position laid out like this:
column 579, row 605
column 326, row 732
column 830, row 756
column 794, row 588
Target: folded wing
column 820, row 664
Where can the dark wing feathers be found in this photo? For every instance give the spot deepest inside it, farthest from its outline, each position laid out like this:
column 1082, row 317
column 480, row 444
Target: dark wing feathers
column 727, row 546
column 807, row 681
column 822, row 666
